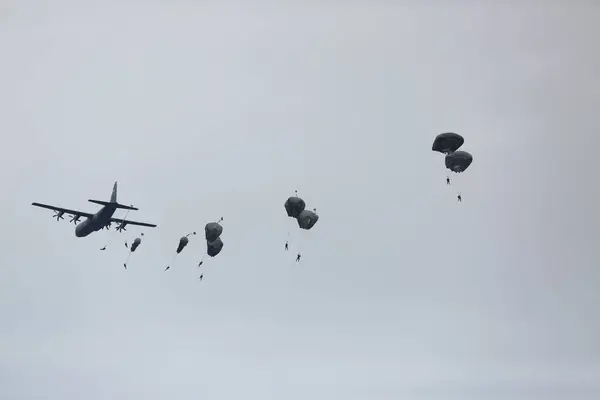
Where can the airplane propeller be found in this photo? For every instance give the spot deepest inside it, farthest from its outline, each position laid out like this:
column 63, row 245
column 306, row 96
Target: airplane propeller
column 59, row 215
column 75, row 218
column 121, row 227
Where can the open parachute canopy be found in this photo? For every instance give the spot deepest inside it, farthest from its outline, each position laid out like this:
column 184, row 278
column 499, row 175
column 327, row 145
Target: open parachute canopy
column 447, row 142
column 307, row 219
column 458, row 161
column 182, row 243
column 135, row 244
column 212, row 231
column 213, row 248
column 294, row 206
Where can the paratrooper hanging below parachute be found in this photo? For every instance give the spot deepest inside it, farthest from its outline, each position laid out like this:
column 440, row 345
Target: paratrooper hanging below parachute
column 295, row 207
column 214, row 243
column 458, row 162
column 182, row 243
column 134, row 246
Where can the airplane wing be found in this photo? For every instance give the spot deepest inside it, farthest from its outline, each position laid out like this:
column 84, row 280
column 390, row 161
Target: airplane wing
column 63, row 210
column 120, row 221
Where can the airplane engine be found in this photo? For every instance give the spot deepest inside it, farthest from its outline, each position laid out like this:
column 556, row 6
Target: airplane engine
column 121, row 226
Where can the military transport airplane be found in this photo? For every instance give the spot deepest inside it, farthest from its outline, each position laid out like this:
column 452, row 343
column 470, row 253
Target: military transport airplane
column 100, row 220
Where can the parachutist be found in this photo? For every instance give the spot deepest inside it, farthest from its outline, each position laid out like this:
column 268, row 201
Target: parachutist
column 104, row 248
column 286, row 246
column 447, row 180
column 459, row 198
column 167, row 267
column 298, row 258
column 125, row 265
column 201, row 276
column 126, row 245
column 200, row 263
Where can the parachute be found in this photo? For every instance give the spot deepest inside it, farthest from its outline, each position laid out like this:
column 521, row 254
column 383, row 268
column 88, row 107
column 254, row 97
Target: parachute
column 182, row 243
column 307, row 219
column 213, row 248
column 134, row 246
column 212, row 231
column 447, row 142
column 458, row 161
column 214, row 243
column 294, row 206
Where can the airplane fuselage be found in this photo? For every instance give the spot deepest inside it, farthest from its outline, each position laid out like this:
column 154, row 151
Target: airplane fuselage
column 95, row 222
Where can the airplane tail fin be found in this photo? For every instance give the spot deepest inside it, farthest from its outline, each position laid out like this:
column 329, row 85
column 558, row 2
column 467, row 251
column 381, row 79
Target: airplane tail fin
column 113, row 196
column 113, row 201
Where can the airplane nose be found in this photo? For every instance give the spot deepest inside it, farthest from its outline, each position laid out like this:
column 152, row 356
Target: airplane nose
column 79, row 232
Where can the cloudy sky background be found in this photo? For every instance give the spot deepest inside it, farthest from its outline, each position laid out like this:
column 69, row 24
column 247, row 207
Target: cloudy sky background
column 205, row 109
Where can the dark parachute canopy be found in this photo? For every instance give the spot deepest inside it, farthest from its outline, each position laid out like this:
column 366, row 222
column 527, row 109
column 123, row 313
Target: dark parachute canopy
column 214, row 243
column 212, row 231
column 294, row 206
column 458, row 161
column 214, row 247
column 447, row 142
column 182, row 243
column 135, row 244
column 307, row 219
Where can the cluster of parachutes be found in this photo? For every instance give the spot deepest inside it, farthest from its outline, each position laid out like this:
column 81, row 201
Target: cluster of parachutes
column 456, row 160
column 214, row 243
column 212, row 233
column 447, row 143
column 295, row 208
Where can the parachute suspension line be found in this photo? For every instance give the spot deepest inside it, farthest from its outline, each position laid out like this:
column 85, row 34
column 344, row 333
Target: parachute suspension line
column 172, row 261
column 191, row 233
column 112, row 234
column 127, row 260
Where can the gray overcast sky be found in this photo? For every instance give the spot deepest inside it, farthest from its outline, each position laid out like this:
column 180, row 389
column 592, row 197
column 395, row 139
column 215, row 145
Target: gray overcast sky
column 205, row 109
